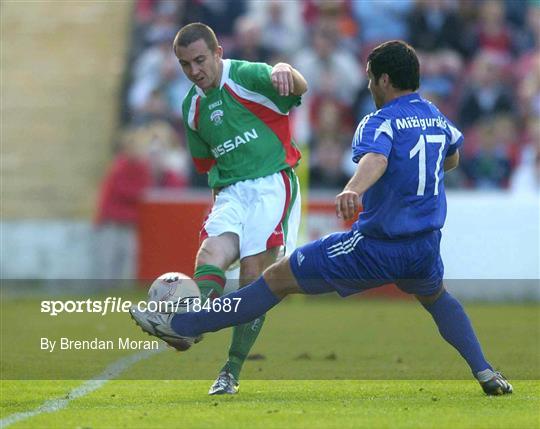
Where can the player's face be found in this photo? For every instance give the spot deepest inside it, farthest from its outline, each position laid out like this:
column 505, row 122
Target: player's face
column 375, row 88
column 200, row 64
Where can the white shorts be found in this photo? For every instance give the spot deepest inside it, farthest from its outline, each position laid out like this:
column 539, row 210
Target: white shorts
column 264, row 213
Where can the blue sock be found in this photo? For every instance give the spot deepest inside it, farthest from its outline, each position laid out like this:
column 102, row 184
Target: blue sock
column 455, row 327
column 255, row 300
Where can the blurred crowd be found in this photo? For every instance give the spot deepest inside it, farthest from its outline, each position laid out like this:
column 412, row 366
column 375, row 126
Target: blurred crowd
column 480, row 63
column 148, row 156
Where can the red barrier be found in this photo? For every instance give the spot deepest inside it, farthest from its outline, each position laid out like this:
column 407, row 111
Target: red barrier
column 168, row 234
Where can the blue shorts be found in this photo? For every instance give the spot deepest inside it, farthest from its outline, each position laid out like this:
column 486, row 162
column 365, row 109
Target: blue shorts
column 349, row 263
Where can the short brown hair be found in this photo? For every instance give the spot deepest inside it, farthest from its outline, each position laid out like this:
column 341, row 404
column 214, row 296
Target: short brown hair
column 195, row 31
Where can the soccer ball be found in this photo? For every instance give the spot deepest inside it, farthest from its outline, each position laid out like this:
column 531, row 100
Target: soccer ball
column 174, row 292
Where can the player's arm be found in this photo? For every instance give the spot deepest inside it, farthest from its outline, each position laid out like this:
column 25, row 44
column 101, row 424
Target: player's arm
column 452, row 155
column 199, row 150
column 452, row 161
column 370, row 169
column 287, row 80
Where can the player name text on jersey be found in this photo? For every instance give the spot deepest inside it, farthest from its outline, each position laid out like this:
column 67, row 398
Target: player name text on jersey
column 415, row 122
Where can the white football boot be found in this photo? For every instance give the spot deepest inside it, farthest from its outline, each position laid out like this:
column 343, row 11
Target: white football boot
column 159, row 325
column 225, row 384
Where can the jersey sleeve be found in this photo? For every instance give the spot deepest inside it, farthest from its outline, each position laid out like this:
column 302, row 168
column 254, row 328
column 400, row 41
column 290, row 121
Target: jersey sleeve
column 200, row 152
column 198, row 148
column 256, row 77
column 374, row 134
column 456, row 139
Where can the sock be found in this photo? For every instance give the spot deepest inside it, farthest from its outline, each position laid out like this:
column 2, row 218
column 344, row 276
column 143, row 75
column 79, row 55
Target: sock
column 455, row 327
column 255, row 300
column 211, row 281
column 244, row 336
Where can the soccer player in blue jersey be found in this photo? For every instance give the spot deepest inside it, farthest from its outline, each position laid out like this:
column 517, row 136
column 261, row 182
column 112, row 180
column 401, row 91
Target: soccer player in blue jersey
column 402, row 150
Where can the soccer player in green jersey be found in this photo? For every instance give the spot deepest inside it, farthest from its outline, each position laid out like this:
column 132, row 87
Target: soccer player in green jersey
column 236, row 117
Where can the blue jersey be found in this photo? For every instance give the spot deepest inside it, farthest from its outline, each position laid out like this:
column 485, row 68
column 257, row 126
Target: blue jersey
column 409, row 198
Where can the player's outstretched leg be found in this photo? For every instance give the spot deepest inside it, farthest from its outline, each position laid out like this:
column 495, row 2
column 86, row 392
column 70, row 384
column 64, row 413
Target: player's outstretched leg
column 245, row 305
column 232, row 309
column 235, row 308
column 455, row 327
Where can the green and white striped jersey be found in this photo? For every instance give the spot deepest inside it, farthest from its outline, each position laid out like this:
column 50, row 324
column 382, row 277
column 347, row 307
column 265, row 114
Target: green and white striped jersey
column 240, row 130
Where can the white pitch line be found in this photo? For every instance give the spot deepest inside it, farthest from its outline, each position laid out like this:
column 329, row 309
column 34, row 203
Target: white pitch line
column 52, row 405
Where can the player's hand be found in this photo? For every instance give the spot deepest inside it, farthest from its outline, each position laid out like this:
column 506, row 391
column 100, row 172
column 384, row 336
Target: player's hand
column 347, row 205
column 282, row 78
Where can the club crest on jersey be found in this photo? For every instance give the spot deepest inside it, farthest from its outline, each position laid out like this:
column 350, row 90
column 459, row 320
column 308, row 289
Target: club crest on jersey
column 217, row 117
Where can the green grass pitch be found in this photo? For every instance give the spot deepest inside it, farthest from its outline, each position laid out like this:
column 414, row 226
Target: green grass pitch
column 323, row 363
